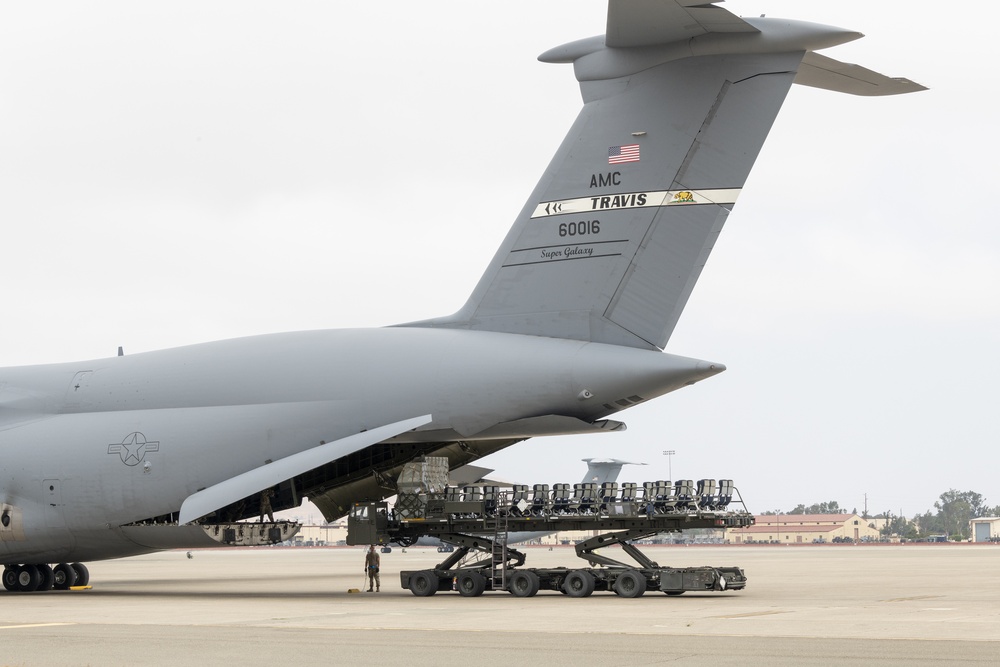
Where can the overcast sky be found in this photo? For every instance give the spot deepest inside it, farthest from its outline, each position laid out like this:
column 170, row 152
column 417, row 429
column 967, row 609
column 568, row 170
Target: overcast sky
column 178, row 172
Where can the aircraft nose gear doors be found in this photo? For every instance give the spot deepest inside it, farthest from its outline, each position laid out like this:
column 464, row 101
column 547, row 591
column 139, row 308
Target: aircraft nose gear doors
column 42, row 577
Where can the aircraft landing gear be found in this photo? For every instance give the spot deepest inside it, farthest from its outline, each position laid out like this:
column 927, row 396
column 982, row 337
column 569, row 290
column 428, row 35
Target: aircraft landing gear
column 65, row 576
column 46, row 579
column 82, row 574
column 32, row 578
column 10, row 577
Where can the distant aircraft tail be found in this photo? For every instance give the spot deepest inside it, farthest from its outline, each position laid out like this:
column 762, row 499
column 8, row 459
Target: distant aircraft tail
column 678, row 99
column 605, row 470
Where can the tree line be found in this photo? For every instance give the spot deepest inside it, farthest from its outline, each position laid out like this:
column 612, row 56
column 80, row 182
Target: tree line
column 951, row 516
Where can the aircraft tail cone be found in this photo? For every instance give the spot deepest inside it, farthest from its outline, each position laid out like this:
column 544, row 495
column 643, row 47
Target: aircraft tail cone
column 711, row 368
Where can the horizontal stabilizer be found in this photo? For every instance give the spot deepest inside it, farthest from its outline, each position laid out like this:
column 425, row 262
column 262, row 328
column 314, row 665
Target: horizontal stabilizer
column 653, row 22
column 208, row 500
column 821, row 72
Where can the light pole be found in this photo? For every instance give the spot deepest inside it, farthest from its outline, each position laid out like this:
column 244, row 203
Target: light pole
column 670, row 471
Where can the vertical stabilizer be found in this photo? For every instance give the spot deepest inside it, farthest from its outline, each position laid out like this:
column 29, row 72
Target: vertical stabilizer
column 678, row 100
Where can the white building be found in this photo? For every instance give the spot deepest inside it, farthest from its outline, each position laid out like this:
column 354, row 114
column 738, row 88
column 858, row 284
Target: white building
column 985, row 529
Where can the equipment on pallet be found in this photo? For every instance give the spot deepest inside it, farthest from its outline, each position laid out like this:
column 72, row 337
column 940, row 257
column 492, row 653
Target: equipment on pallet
column 477, row 520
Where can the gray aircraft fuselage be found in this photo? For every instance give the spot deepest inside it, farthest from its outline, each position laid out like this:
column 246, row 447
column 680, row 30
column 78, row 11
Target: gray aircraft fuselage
column 77, row 472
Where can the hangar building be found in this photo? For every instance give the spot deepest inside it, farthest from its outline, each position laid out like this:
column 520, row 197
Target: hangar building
column 805, row 528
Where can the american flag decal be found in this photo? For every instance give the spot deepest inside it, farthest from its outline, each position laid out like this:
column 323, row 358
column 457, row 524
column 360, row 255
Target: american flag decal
column 619, row 154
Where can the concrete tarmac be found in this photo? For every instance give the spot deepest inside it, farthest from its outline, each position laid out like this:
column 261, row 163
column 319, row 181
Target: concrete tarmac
column 810, row 605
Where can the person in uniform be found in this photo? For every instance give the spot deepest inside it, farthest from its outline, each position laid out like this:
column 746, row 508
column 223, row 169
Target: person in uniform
column 372, row 562
column 265, row 505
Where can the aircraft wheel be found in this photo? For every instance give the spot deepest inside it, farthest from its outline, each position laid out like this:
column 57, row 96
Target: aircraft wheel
column 423, row 583
column 470, row 584
column 523, row 583
column 47, row 578
column 10, row 577
column 64, row 577
column 28, row 578
column 630, row 584
column 579, row 584
column 82, row 574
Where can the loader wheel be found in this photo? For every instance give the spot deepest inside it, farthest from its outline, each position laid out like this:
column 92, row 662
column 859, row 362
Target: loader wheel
column 630, row 584
column 523, row 584
column 579, row 584
column 423, row 583
column 470, row 584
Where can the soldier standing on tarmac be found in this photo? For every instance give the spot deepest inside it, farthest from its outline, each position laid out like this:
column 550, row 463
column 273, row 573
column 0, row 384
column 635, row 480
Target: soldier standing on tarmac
column 372, row 562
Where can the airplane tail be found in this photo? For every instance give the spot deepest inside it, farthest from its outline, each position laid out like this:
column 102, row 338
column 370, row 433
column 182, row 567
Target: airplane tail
column 678, row 99
column 605, row 470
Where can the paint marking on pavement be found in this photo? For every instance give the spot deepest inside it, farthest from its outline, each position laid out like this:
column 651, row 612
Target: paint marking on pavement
column 752, row 614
